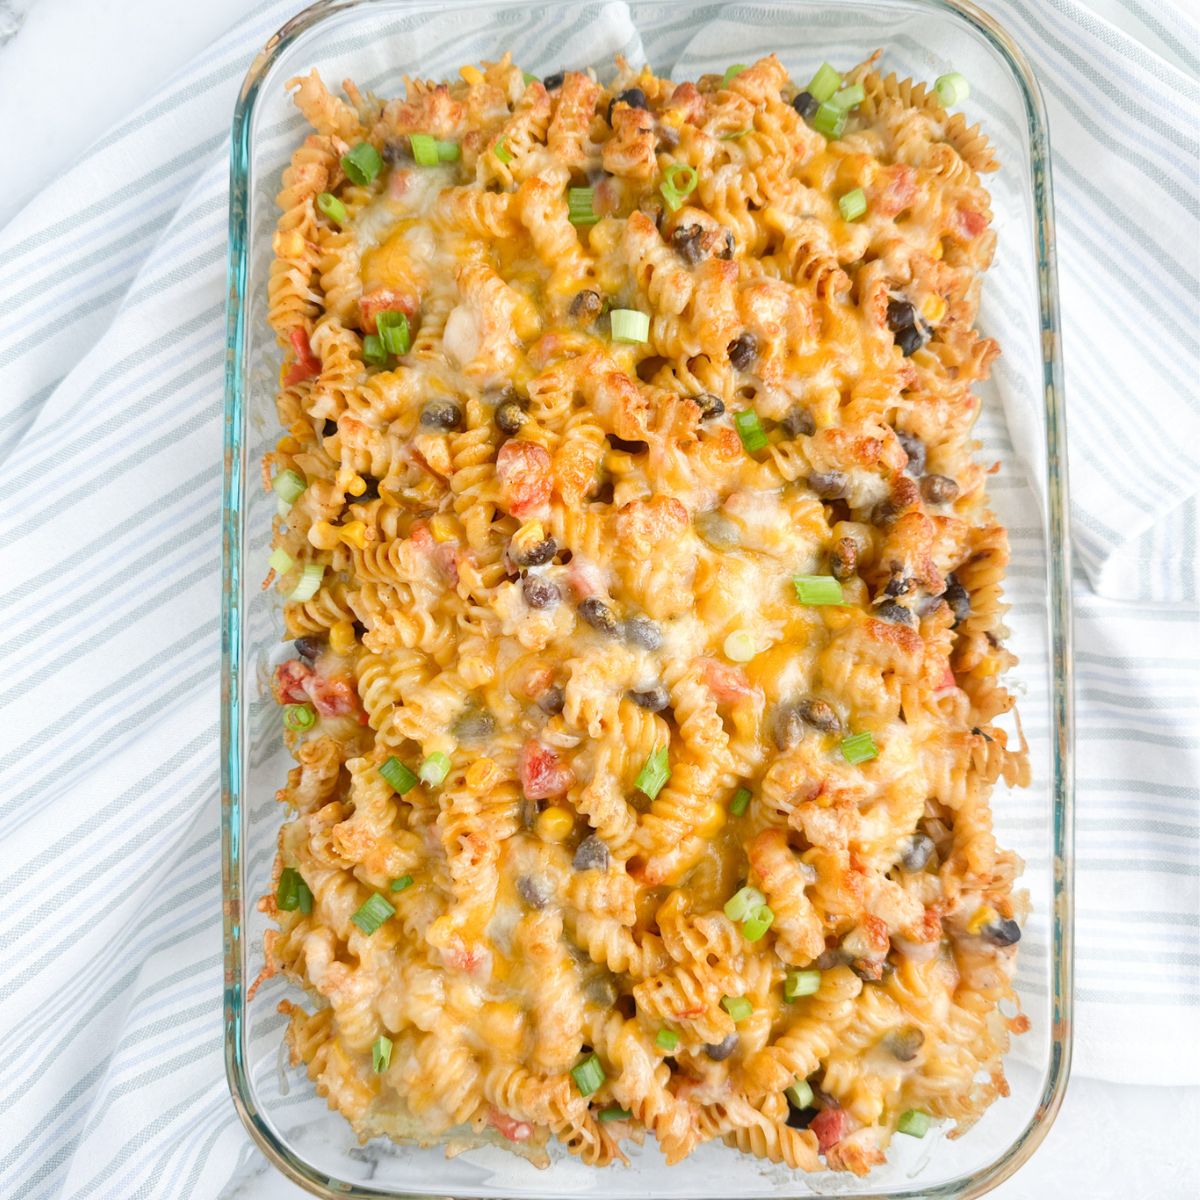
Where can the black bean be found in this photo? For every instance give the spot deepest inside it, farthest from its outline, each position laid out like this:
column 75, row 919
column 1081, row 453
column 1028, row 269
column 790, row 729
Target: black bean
column 917, row 853
column 958, row 598
column 843, row 559
column 1002, row 932
column 474, row 724
column 897, row 614
column 801, row 1118
column 718, row 530
column 601, row 991
column 329, row 428
column 396, row 151
column 899, row 585
column 308, row 647
column 551, row 701
column 828, row 959
column 553, row 82
column 655, row 699
column 805, row 104
column 599, row 616
column 869, row 970
column 820, row 716
column 788, row 727
column 915, row 449
column 535, row 555
column 634, row 97
column 939, row 489
column 527, row 812
column 585, row 305
column 510, row 416
column 592, row 855
column 641, row 631
column 910, row 340
column 370, row 492
column 900, row 315
column 742, row 351
column 539, row 592
column 829, row 485
column 627, row 446
column 726, row 252
column 720, row 1051
column 884, row 513
column 904, row 1043
column 686, row 241
column 535, row 890
column 442, row 414
column 710, row 406
column 799, row 423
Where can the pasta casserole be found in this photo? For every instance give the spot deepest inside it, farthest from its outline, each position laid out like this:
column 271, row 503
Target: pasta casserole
column 649, row 637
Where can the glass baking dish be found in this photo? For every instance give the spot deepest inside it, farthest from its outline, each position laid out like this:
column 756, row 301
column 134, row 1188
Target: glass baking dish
column 1021, row 427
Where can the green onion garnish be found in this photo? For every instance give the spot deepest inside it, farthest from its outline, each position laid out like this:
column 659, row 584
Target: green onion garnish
column 800, row 1093
column 372, row 913
column 287, row 894
column 750, row 430
column 757, row 923
column 282, row 507
column 588, row 1075
column 289, row 486
column 581, row 206
column 853, row 204
column 824, row 83
column 679, row 180
column 629, row 325
column 951, row 88
column 280, row 561
column 732, row 137
column 529, row 78
column 800, row 983
column 299, row 717
column 914, row 1122
column 829, row 120
column 398, row 885
column 501, row 151
column 309, row 581
column 394, row 332
column 374, row 351
column 330, row 206
column 730, row 72
column 740, row 646
column 848, row 97
column 362, row 164
column 424, row 149
column 740, row 802
column 434, row 769
column 666, row 1039
column 817, row 589
column 743, row 902
column 398, row 775
column 859, row 747
column 655, row 772
column 448, row 151
column 738, row 1007
column 614, row 1112
column 381, row 1053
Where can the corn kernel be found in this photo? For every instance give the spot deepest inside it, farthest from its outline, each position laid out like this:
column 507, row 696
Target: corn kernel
column 443, row 527
column 354, row 533
column 287, row 445
column 933, row 309
column 555, row 824
column 341, row 637
column 937, row 251
column 711, row 820
column 983, row 915
column 323, row 535
column 356, row 486
column 837, row 618
column 481, row 773
column 473, row 75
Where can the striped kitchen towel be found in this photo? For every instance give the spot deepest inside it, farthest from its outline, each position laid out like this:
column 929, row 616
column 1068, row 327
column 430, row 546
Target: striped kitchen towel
column 112, row 293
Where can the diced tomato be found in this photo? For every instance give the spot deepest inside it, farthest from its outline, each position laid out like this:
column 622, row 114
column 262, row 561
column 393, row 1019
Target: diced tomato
column 398, row 182
column 307, row 364
column 971, row 223
column 543, row 774
column 523, row 469
column 830, row 1125
column 380, row 300
column 290, row 680
column 514, row 1130
column 461, row 957
column 586, row 578
column 332, row 697
column 894, row 190
column 728, row 684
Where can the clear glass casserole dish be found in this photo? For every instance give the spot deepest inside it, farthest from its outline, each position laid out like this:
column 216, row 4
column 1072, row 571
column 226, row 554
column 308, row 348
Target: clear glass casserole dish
column 1021, row 427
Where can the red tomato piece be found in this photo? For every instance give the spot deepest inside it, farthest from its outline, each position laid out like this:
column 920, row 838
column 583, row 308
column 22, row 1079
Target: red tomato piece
column 830, row 1125
column 894, row 190
column 523, row 469
column 332, row 697
column 728, row 684
column 380, row 300
column 307, row 364
column 290, row 680
column 510, row 1127
column 970, row 222
column 462, row 957
column 543, row 774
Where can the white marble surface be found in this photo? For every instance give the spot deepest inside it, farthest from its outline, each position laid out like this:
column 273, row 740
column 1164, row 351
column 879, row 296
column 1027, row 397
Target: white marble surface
column 1123, row 1143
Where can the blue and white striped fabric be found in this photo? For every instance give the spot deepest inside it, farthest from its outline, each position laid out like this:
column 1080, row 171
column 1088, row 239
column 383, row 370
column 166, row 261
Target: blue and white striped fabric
column 112, row 293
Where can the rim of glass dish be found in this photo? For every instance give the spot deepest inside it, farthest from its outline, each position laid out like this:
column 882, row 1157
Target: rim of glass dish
column 967, row 1187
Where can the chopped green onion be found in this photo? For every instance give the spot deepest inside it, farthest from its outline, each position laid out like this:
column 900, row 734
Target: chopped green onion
column 740, row 646
column 374, row 351
column 529, row 78
column 393, row 331
column 740, row 801
column 829, row 120
column 817, row 589
column 448, row 151
column 280, row 561
column 434, row 769
column 914, row 1122
column 859, row 747
column 750, row 430
column 381, row 1054
column 738, row 1007
column 287, row 894
column 282, row 507
column 800, row 983
column 853, row 204
column 306, row 898
column 951, row 88
column 330, row 206
column 310, row 580
column 398, row 775
column 673, row 191
column 800, row 1093
column 758, row 923
column 372, row 913
column 667, row 1039
column 501, row 151
column 581, row 208
column 299, row 717
column 743, row 902
column 398, row 885
column 730, row 72
column 362, row 164
column 731, row 137
column 655, row 772
column 614, row 1112
column 824, row 83
column 289, row 486
column 629, row 325
column 848, row 97
column 424, row 149
column 588, row 1075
